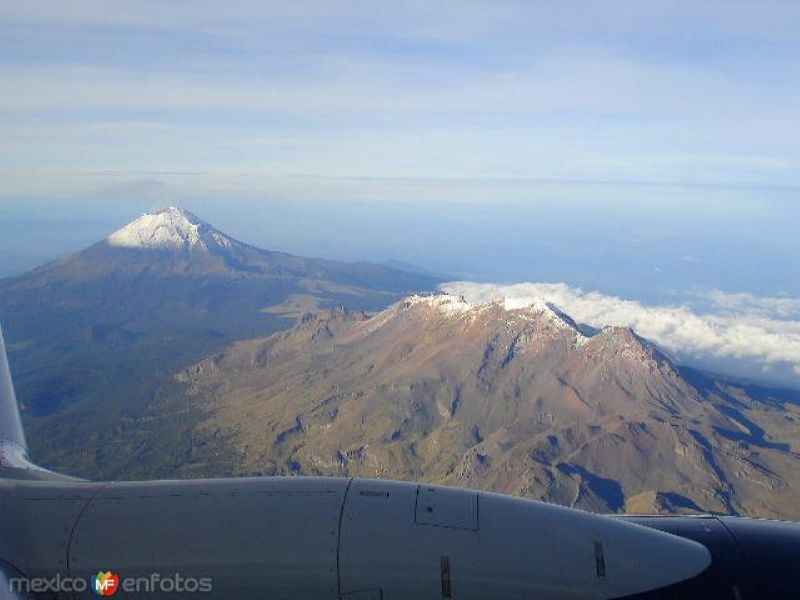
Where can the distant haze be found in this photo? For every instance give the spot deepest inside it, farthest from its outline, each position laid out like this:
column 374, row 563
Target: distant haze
column 644, row 244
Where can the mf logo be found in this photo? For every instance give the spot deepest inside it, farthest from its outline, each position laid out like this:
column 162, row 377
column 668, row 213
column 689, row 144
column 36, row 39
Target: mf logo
column 105, row 583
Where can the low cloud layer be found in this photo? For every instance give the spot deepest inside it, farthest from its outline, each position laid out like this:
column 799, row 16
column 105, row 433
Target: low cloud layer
column 737, row 334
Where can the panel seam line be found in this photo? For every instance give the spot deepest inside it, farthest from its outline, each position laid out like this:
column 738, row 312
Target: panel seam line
column 339, row 538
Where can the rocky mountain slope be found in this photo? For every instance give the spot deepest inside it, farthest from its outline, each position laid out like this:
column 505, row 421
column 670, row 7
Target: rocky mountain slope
column 516, row 399
column 92, row 336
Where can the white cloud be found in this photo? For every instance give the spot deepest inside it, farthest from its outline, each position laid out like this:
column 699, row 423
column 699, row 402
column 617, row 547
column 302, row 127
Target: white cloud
column 743, row 302
column 746, row 335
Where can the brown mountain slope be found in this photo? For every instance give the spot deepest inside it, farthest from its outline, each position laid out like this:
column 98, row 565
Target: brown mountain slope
column 518, row 401
column 92, row 336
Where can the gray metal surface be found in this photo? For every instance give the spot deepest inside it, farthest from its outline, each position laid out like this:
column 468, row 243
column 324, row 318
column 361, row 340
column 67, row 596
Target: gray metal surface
column 37, row 520
column 520, row 549
column 7, row 589
column 265, row 537
column 11, row 431
column 330, row 538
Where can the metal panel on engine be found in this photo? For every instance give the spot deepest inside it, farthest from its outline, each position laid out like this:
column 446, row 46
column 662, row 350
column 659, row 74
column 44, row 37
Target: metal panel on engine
column 446, row 507
column 272, row 537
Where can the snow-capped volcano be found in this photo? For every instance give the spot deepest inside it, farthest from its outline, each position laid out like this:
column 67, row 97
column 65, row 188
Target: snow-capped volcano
column 169, row 229
column 496, row 395
column 174, row 243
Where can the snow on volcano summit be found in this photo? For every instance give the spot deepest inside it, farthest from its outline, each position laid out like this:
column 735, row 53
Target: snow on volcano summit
column 511, row 310
column 169, row 229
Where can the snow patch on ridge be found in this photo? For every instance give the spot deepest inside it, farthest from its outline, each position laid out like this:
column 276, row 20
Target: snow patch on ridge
column 536, row 308
column 446, row 303
column 541, row 307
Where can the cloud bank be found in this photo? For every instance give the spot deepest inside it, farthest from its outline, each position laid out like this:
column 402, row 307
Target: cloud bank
column 736, row 334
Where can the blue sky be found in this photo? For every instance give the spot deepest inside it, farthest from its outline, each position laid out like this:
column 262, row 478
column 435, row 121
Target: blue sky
column 648, row 150
column 202, row 97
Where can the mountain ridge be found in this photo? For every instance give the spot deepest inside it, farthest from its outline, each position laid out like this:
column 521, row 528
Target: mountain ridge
column 96, row 332
column 172, row 354
column 517, row 401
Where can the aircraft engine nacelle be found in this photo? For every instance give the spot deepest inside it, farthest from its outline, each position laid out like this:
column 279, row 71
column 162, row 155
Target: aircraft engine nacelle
column 335, row 538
